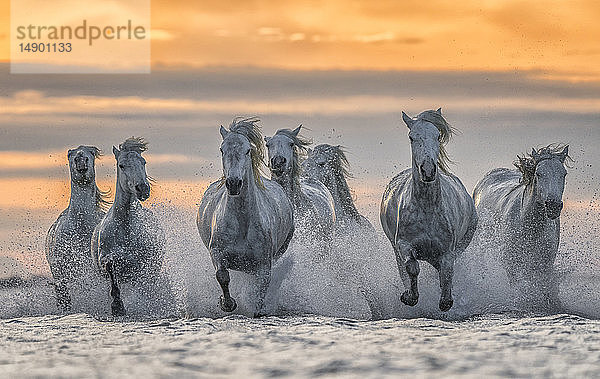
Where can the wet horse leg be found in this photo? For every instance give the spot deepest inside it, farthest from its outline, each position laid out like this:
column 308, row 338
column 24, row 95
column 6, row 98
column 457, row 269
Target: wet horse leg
column 446, row 272
column 63, row 299
column 226, row 302
column 117, row 307
column 408, row 267
column 263, row 277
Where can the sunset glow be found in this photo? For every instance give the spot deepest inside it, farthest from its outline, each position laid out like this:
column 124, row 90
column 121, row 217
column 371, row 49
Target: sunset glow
column 556, row 37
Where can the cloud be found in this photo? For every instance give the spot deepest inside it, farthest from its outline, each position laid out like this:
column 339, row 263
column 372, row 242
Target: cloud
column 28, row 103
column 39, row 160
column 377, row 37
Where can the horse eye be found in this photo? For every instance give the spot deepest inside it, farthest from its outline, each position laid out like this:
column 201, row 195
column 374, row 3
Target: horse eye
column 248, row 152
column 121, row 166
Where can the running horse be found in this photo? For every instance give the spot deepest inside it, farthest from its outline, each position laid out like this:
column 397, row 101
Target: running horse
column 68, row 240
column 245, row 220
column 128, row 244
column 524, row 205
column 314, row 210
column 426, row 212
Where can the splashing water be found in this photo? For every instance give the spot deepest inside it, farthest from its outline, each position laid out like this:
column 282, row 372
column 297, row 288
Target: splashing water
column 357, row 277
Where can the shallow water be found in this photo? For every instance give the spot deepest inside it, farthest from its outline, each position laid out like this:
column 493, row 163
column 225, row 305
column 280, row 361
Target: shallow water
column 308, row 346
column 336, row 313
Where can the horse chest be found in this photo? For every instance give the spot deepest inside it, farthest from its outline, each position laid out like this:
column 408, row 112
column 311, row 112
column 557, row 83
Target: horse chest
column 239, row 232
column 427, row 230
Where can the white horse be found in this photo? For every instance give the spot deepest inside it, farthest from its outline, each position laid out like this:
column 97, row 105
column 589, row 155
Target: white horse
column 314, row 209
column 329, row 165
column 524, row 206
column 426, row 213
column 245, row 220
column 128, row 244
column 68, row 240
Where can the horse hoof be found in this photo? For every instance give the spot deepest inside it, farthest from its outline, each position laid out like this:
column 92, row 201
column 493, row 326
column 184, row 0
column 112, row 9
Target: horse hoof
column 408, row 299
column 228, row 305
column 118, row 309
column 259, row 315
column 445, row 305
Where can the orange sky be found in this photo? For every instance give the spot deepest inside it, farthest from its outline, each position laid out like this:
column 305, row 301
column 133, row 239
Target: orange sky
column 558, row 37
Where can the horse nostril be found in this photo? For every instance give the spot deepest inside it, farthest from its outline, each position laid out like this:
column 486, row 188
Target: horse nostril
column 554, row 204
column 233, row 182
column 142, row 187
column 278, row 161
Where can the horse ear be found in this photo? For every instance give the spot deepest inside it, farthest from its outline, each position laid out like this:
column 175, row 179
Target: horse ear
column 296, row 131
column 223, row 132
column 534, row 152
column 564, row 153
column 407, row 120
column 116, row 152
column 94, row 151
column 439, row 110
column 69, row 152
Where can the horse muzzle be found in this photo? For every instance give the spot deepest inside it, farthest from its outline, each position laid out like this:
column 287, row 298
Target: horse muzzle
column 142, row 191
column 234, row 186
column 81, row 164
column 278, row 165
column 427, row 173
column 553, row 209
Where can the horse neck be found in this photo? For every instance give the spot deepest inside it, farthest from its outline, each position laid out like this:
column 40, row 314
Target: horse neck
column 291, row 185
column 342, row 197
column 428, row 193
column 532, row 211
column 123, row 202
column 83, row 198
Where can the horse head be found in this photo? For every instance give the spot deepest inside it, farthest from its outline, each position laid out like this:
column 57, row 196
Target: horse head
column 549, row 179
column 284, row 149
column 131, row 168
column 81, row 164
column 424, row 139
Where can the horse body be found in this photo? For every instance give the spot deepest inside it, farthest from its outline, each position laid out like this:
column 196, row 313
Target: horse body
column 524, row 206
column 427, row 215
column 328, row 164
column 128, row 244
column 245, row 220
column 68, row 241
column 314, row 208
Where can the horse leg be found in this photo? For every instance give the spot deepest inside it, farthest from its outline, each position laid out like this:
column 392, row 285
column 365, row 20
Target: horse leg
column 263, row 277
column 117, row 307
column 408, row 267
column 446, row 272
column 226, row 302
column 63, row 299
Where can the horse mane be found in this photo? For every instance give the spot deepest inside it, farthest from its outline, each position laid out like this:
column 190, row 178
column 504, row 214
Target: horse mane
column 249, row 128
column 102, row 201
column 300, row 149
column 446, row 132
column 137, row 144
column 341, row 171
column 527, row 163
